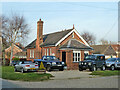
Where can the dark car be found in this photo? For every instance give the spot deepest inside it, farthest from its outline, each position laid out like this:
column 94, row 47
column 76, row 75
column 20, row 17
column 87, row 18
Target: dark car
column 51, row 62
column 92, row 62
column 113, row 63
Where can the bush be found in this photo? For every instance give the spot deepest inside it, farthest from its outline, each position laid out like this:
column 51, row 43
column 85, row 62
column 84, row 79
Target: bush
column 16, row 59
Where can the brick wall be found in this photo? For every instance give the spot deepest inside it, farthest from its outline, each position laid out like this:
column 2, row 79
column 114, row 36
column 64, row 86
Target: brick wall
column 15, row 50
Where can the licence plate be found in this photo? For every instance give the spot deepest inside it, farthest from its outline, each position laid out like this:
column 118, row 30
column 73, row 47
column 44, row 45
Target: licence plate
column 32, row 68
column 59, row 65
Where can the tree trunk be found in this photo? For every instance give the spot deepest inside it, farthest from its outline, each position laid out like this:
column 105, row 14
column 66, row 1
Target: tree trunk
column 4, row 62
column 11, row 54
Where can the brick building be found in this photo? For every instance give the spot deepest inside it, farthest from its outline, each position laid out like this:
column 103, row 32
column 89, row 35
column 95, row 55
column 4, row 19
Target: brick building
column 66, row 45
column 107, row 50
column 16, row 49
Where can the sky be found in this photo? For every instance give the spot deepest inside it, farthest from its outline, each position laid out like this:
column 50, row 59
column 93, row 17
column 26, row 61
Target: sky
column 98, row 18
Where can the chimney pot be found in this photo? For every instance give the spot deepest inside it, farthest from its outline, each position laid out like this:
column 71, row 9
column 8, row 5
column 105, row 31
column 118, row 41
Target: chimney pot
column 73, row 26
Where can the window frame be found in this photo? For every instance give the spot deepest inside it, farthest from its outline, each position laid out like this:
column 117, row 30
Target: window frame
column 75, row 56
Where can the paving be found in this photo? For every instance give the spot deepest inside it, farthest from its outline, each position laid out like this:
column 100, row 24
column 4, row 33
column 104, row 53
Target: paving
column 70, row 79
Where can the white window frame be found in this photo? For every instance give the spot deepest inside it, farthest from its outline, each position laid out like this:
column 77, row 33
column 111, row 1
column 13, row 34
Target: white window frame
column 74, row 57
column 33, row 54
column 47, row 51
column 86, row 52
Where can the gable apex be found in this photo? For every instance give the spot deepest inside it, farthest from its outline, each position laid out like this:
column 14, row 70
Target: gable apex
column 74, row 30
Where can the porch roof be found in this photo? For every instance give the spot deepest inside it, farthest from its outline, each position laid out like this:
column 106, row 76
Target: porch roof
column 74, row 44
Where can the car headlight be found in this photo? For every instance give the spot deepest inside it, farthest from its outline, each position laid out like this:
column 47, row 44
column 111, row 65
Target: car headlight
column 48, row 63
column 53, row 62
column 63, row 63
column 89, row 63
column 82, row 63
column 85, row 63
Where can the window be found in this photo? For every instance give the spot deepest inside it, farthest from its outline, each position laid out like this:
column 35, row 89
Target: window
column 31, row 53
column 76, row 56
column 47, row 51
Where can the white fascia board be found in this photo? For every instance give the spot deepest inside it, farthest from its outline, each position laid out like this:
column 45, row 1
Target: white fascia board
column 64, row 38
column 74, row 30
column 80, row 37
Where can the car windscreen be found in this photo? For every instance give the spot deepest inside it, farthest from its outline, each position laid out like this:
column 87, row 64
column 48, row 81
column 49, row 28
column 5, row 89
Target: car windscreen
column 118, row 59
column 111, row 59
column 90, row 57
column 49, row 58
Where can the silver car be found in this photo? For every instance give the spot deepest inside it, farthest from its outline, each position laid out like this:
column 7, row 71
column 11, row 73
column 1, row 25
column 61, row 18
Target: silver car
column 24, row 66
column 117, row 64
column 113, row 63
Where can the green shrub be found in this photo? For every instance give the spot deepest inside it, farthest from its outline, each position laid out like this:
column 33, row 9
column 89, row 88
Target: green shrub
column 16, row 59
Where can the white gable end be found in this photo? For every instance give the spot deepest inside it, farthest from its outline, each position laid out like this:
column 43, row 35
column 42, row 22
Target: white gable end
column 74, row 30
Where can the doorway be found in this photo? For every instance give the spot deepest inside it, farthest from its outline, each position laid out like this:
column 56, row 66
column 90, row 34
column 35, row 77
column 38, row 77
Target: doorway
column 64, row 57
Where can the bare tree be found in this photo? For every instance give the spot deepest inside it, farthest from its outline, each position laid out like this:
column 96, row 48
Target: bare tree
column 89, row 37
column 14, row 28
column 104, row 42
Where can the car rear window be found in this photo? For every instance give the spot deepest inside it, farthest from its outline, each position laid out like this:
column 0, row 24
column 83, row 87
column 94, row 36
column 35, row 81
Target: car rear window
column 27, row 62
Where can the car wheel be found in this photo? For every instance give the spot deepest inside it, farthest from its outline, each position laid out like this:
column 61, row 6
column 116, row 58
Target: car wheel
column 15, row 69
column 80, row 69
column 48, row 68
column 103, row 68
column 22, row 70
column 112, row 67
column 93, row 68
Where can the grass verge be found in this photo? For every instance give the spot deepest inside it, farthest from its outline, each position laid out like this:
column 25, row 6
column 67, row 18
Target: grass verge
column 8, row 73
column 106, row 73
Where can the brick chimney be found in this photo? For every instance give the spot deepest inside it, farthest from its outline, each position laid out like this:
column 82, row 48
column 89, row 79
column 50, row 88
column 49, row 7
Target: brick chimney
column 39, row 40
column 40, row 31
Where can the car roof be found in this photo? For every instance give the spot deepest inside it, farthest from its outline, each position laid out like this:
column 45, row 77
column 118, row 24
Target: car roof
column 99, row 54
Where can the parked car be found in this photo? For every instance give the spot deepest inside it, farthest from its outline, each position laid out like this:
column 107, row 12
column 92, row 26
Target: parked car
column 24, row 66
column 51, row 62
column 113, row 63
column 92, row 62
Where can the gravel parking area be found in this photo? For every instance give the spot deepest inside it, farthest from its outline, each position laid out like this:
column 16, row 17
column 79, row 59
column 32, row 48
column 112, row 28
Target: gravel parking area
column 72, row 79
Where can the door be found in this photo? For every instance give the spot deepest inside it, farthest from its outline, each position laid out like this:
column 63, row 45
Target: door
column 64, row 57
column 100, row 61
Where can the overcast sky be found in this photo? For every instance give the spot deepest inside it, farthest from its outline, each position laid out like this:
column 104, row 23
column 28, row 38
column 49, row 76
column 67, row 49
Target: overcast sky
column 99, row 18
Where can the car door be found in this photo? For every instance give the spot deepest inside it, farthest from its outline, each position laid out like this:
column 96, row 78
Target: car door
column 99, row 61
column 117, row 63
column 19, row 66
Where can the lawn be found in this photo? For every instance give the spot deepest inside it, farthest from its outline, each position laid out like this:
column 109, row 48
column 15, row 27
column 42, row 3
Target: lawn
column 106, row 73
column 8, row 73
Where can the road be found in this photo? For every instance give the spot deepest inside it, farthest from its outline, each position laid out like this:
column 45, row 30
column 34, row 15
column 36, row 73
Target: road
column 67, row 79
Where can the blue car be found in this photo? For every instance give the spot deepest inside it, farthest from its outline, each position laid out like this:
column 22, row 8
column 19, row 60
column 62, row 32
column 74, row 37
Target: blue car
column 50, row 62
